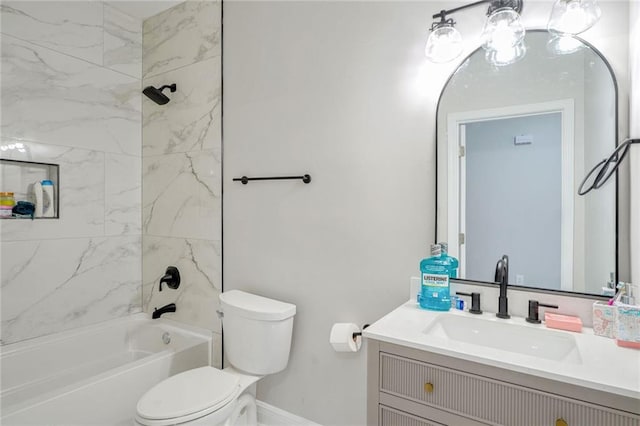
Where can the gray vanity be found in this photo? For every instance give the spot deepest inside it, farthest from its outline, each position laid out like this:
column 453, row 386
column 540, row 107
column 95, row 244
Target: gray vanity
column 453, row 368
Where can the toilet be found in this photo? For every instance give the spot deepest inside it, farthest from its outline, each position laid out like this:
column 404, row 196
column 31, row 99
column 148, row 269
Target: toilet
column 257, row 342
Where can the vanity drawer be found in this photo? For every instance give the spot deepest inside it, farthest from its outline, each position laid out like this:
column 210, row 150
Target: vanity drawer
column 488, row 400
column 391, row 417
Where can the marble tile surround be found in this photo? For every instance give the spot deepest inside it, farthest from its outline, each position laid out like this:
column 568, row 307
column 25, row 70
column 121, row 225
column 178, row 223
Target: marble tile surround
column 191, row 120
column 187, row 33
column 123, row 195
column 200, row 266
column 52, row 98
column 182, row 217
column 122, row 42
column 181, row 195
column 71, row 94
column 70, row 27
column 81, row 197
column 43, row 292
column 92, row 31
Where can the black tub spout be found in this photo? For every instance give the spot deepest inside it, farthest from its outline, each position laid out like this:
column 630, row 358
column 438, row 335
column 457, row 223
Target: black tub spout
column 158, row 312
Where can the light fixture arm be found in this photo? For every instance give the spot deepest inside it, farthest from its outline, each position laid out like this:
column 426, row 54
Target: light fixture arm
column 493, row 5
column 444, row 13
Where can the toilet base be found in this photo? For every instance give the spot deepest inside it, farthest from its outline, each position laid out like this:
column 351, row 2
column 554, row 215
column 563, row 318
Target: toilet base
column 245, row 413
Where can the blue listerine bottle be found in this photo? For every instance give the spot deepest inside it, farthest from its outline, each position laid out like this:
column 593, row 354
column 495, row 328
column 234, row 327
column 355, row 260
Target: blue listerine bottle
column 453, row 270
column 434, row 288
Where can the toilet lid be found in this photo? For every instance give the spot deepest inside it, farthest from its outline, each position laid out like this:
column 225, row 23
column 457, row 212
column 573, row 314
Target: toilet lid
column 201, row 390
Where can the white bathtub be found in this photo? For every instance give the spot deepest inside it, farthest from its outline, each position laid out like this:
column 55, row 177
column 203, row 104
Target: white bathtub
column 95, row 375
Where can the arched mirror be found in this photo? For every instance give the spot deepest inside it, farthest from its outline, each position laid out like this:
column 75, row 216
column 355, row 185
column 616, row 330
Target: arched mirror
column 513, row 145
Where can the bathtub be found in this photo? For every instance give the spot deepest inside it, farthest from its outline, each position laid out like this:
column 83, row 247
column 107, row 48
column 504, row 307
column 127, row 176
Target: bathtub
column 95, row 375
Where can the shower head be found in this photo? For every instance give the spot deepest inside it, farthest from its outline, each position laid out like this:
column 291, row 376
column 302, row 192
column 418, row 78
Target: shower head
column 156, row 95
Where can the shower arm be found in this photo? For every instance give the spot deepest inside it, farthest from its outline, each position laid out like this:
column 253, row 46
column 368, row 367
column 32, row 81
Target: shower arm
column 171, row 87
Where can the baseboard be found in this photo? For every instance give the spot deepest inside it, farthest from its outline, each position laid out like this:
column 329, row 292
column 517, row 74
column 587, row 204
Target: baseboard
column 268, row 415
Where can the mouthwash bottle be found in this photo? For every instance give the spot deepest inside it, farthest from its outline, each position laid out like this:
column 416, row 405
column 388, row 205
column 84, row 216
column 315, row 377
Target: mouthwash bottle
column 434, row 288
column 453, row 271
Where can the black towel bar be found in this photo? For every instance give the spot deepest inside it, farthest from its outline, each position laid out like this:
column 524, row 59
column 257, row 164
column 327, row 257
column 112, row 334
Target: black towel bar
column 245, row 180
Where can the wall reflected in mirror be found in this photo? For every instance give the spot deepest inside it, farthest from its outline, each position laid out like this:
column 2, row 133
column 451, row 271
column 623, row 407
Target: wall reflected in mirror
column 513, row 144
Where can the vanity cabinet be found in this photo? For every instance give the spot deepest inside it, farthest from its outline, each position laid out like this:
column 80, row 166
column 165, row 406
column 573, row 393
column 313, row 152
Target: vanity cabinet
column 408, row 387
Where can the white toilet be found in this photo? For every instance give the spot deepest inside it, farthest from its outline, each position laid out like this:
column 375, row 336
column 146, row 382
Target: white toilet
column 257, row 341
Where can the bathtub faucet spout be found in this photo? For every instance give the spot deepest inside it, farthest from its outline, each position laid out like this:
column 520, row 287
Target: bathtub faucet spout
column 171, row 307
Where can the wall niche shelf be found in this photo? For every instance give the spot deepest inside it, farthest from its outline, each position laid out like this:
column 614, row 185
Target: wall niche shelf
column 18, row 176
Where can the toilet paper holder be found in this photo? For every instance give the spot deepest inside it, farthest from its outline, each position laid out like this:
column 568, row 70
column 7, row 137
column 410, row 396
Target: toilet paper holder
column 359, row 333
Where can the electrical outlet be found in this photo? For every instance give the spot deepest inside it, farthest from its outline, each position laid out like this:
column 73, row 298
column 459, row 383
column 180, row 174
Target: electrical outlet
column 519, row 279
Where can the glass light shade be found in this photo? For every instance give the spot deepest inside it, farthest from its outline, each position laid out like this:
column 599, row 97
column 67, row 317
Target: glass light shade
column 506, row 55
column 573, row 16
column 564, row 45
column 502, row 30
column 444, row 44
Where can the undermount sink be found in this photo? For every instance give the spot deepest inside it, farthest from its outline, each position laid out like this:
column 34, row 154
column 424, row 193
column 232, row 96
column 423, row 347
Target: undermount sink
column 537, row 342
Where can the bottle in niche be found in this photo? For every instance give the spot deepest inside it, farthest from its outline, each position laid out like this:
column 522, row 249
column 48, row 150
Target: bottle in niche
column 48, row 205
column 453, row 270
column 36, row 190
column 434, row 287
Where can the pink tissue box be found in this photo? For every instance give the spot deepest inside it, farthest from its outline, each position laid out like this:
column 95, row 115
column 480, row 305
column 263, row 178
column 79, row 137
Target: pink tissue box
column 563, row 322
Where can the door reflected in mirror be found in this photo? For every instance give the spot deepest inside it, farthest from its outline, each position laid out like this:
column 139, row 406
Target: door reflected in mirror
column 513, row 144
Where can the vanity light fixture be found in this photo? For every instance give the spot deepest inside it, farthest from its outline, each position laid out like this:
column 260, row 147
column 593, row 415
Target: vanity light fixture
column 503, row 28
column 573, row 16
column 503, row 33
column 445, row 42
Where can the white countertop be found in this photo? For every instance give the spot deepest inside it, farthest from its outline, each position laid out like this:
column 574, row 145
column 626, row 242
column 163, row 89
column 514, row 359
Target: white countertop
column 602, row 364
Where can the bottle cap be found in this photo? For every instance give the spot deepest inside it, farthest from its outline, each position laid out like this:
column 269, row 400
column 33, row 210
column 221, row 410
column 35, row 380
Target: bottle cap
column 445, row 246
column 6, row 194
column 436, row 250
column 46, row 182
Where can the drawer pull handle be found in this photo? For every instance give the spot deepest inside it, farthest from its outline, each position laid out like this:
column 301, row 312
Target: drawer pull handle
column 561, row 422
column 428, row 387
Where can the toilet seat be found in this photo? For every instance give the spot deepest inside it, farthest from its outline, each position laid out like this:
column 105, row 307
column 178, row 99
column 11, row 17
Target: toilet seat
column 188, row 396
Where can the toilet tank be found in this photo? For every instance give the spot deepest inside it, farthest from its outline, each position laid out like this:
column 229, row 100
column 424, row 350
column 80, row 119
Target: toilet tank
column 256, row 332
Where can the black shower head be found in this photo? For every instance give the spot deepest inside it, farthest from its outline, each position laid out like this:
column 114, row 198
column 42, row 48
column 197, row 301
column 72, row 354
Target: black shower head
column 156, row 95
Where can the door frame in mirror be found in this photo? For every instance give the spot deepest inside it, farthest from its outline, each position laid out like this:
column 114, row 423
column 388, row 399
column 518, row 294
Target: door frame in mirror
column 456, row 173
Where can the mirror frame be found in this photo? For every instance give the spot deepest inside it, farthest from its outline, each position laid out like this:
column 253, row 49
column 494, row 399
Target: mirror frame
column 617, row 175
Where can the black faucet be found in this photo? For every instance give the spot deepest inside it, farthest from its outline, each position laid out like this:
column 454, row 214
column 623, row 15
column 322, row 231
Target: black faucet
column 171, row 278
column 502, row 277
column 171, row 307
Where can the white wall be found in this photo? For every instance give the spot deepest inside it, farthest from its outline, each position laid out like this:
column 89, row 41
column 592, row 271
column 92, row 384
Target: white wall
column 333, row 90
column 71, row 95
column 340, row 90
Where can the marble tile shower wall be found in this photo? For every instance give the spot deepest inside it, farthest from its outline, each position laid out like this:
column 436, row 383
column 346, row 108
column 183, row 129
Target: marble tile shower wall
column 181, row 161
column 71, row 79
